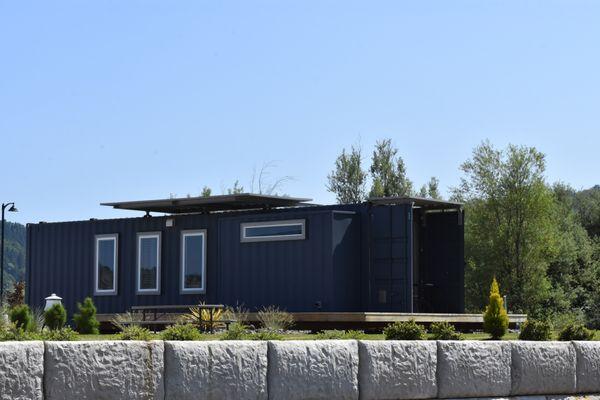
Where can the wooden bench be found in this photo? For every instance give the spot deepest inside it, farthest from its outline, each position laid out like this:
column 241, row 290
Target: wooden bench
column 163, row 310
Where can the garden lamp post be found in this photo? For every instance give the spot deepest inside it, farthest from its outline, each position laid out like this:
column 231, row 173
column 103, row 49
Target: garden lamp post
column 11, row 209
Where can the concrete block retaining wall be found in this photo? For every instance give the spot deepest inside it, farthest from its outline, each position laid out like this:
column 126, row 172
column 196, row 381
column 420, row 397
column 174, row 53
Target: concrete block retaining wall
column 336, row 369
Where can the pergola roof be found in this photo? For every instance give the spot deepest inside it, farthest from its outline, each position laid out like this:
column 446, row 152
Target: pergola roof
column 242, row 201
column 417, row 202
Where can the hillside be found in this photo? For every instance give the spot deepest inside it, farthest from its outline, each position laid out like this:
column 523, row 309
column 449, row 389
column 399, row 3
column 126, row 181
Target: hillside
column 14, row 253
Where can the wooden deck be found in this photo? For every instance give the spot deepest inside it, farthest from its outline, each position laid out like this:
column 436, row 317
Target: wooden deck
column 372, row 320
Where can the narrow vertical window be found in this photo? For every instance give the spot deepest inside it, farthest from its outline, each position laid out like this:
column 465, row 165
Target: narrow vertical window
column 193, row 261
column 148, row 263
column 105, row 265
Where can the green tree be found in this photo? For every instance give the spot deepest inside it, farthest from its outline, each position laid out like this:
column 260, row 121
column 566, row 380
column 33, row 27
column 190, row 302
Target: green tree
column 85, row 319
column 388, row 172
column 55, row 317
column 236, row 189
column 206, row 192
column 348, row 180
column 431, row 189
column 495, row 317
column 509, row 230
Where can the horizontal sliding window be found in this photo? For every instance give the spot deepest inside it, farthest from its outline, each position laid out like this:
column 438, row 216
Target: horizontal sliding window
column 105, row 264
column 148, row 263
column 273, row 230
column 193, row 261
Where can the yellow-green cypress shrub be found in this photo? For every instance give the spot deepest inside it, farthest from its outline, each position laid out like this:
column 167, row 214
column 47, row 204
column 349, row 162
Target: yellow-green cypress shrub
column 495, row 317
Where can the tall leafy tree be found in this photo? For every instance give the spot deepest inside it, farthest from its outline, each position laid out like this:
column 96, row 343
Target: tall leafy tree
column 431, row 189
column 206, row 192
column 510, row 231
column 348, row 180
column 388, row 172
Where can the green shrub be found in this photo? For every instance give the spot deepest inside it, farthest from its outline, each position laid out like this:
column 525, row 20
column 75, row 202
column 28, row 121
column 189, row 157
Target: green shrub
column 265, row 334
column 575, row 332
column 495, row 317
column 236, row 331
column 55, row 317
column 340, row 335
column 444, row 331
column 85, row 319
column 181, row 332
column 18, row 334
column 274, row 319
column 135, row 332
column 21, row 317
column 536, row 330
column 62, row 334
column 404, row 330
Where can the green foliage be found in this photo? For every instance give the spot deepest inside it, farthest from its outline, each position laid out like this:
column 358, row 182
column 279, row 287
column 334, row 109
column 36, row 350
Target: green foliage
column 340, row 335
column 348, row 180
column 575, row 332
column 62, row 334
column 55, row 317
column 431, row 190
column 264, row 334
column 85, row 319
column 236, row 331
column 21, row 317
column 272, row 318
column 181, row 332
column 495, row 317
column 236, row 189
column 134, row 332
column 388, row 172
column 405, row 330
column 510, row 229
column 14, row 333
column 444, row 331
column 206, row 192
column 14, row 254
column 538, row 330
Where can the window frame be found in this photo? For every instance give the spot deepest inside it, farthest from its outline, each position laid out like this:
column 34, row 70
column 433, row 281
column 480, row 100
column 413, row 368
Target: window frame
column 182, row 288
column 272, row 238
column 97, row 239
column 138, row 269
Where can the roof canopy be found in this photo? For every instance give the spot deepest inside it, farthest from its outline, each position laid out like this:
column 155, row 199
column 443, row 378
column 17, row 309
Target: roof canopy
column 242, row 201
column 417, row 202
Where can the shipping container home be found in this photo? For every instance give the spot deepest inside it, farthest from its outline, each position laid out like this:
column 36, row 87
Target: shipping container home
column 383, row 255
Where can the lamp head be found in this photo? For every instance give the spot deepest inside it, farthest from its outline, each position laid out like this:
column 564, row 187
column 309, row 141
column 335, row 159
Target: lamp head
column 13, row 208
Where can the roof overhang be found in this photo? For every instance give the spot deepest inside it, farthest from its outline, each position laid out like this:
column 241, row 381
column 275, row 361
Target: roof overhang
column 417, row 202
column 242, row 201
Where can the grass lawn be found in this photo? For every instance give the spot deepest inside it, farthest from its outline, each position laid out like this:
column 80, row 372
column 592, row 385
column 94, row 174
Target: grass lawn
column 300, row 336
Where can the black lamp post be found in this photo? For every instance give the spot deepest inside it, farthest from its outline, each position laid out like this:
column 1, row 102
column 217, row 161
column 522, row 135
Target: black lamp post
column 11, row 209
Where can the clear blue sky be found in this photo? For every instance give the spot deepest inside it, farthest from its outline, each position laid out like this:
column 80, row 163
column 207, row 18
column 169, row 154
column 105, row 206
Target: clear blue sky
column 123, row 100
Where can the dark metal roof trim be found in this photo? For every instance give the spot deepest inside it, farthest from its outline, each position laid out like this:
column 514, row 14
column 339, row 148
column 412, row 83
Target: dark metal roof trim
column 416, row 201
column 242, row 201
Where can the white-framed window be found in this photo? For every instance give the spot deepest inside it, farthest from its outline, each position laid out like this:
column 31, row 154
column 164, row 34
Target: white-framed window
column 294, row 229
column 193, row 261
column 106, row 265
column 148, row 263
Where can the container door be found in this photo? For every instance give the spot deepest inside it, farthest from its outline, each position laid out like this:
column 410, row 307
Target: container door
column 389, row 273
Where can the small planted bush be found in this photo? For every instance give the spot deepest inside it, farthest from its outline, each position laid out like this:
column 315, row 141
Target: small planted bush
column 575, row 332
column 265, row 335
column 18, row 334
column 536, row 330
column 236, row 331
column 85, row 318
column 340, row 335
column 495, row 317
column 135, row 332
column 62, row 334
column 272, row 318
column 55, row 317
column 181, row 332
column 21, row 317
column 404, row 330
column 444, row 331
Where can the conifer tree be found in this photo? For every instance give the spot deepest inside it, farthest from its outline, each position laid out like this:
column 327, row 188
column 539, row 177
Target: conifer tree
column 85, row 319
column 495, row 317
